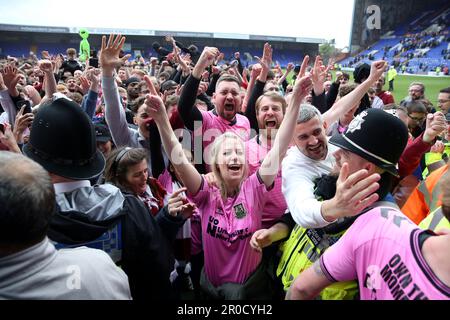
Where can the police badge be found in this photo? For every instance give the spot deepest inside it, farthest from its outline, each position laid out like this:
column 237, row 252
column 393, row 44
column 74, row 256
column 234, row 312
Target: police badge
column 357, row 122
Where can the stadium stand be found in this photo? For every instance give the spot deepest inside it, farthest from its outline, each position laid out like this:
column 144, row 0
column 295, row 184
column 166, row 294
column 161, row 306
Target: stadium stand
column 419, row 46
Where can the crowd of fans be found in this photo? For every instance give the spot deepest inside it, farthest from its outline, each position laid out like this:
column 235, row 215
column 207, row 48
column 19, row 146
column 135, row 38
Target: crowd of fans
column 187, row 177
column 412, row 46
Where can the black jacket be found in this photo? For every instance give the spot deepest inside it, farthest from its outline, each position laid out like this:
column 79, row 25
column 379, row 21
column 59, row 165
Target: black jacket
column 140, row 243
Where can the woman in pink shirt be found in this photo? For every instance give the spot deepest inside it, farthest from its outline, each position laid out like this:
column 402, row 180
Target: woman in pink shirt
column 231, row 212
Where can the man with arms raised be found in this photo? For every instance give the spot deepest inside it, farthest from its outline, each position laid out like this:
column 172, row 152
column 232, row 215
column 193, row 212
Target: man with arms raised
column 313, row 157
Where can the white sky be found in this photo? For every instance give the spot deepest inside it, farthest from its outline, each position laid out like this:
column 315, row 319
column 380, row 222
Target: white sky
column 326, row 19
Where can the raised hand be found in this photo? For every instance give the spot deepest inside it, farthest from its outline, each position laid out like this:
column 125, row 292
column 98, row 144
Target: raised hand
column 435, row 125
column 206, row 59
column 319, row 74
column 93, row 75
column 22, row 122
column 45, row 55
column 109, row 54
column 33, row 94
column 256, row 70
column 11, row 77
column 303, row 84
column 58, row 62
column 46, row 66
column 7, row 138
column 203, row 86
column 266, row 60
column 376, row 70
column 215, row 70
column 179, row 205
column 220, row 57
column 154, row 104
column 205, row 75
column 290, row 67
column 84, row 85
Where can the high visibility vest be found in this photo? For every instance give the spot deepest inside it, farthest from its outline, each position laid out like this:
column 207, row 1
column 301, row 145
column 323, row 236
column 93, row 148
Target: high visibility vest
column 426, row 197
column 301, row 250
column 432, row 157
column 435, row 221
column 392, row 73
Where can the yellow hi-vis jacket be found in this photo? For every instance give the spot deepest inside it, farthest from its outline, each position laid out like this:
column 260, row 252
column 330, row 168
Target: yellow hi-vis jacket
column 435, row 221
column 301, row 250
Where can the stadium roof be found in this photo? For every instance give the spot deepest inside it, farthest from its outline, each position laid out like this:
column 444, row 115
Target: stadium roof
column 139, row 32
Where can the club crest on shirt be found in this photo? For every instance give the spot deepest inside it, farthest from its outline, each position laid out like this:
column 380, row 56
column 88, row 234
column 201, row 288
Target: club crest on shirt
column 239, row 211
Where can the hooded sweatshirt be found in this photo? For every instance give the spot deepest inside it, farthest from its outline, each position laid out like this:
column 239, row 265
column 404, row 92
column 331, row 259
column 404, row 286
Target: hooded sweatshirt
column 118, row 223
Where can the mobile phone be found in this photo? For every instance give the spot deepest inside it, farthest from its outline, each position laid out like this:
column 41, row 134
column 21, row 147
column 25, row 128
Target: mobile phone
column 2, row 128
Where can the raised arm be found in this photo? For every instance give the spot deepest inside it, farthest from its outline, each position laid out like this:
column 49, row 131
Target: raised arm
column 271, row 163
column 114, row 113
column 258, row 88
column 289, row 69
column 350, row 100
column 189, row 176
column 8, row 82
column 186, row 108
column 46, row 67
column 90, row 102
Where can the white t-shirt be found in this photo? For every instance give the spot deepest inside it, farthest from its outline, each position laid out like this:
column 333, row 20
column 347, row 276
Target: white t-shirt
column 298, row 174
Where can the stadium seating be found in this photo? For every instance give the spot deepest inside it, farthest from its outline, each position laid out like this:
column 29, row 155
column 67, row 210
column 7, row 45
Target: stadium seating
column 415, row 44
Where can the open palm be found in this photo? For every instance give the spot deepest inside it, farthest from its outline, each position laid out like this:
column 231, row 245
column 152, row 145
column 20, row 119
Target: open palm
column 109, row 54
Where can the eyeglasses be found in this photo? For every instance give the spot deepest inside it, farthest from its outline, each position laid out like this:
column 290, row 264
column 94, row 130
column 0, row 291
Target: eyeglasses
column 443, row 101
column 416, row 119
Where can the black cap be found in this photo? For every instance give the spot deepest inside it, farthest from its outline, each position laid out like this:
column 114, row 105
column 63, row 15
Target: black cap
column 102, row 133
column 131, row 80
column 168, row 84
column 361, row 72
column 377, row 136
column 62, row 140
column 156, row 45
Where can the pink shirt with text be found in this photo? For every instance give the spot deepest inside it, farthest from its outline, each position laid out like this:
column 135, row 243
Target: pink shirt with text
column 275, row 204
column 227, row 226
column 381, row 249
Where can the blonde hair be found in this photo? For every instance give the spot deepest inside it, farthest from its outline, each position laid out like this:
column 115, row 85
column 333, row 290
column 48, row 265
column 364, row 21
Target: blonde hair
column 217, row 145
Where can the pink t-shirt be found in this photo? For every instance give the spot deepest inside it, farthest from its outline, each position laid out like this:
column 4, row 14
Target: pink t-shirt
column 193, row 225
column 381, row 250
column 275, row 204
column 227, row 227
column 214, row 126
